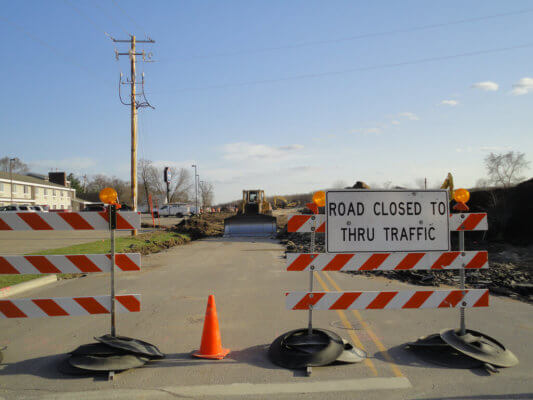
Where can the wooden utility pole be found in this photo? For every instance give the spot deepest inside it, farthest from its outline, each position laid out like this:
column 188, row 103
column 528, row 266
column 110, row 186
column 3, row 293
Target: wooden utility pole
column 133, row 129
column 135, row 105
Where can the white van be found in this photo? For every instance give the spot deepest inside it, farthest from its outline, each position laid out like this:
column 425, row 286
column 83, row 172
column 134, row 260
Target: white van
column 174, row 209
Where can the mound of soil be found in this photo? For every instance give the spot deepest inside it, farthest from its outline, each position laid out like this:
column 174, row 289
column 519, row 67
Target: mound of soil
column 207, row 225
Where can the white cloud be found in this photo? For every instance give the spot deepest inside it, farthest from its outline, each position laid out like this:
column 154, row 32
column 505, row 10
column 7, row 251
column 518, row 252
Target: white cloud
column 524, row 86
column 495, row 148
column 369, row 131
column 395, row 122
column 451, row 103
column 487, row 86
column 409, row 115
column 243, row 151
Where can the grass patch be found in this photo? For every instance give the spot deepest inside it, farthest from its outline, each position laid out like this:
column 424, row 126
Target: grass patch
column 10, row 280
column 146, row 243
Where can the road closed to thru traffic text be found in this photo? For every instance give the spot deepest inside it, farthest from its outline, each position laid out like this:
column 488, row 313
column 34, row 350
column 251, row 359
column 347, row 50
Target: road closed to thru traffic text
column 387, row 220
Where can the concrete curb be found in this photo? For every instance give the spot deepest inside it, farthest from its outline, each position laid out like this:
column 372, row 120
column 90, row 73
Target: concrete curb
column 28, row 285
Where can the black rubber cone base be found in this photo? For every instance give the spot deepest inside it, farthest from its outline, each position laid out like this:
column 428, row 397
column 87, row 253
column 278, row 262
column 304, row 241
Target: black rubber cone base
column 97, row 349
column 480, row 347
column 65, row 368
column 351, row 354
column 134, row 346
column 107, row 363
column 297, row 349
column 433, row 340
column 445, row 356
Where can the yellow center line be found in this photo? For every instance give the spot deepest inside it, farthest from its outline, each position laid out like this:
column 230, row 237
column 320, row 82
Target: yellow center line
column 350, row 328
column 395, row 369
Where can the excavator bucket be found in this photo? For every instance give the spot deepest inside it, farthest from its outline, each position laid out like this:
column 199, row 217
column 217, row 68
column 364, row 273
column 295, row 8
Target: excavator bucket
column 242, row 225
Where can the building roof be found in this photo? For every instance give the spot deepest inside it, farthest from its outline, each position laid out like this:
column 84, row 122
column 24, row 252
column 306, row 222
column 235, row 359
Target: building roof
column 29, row 179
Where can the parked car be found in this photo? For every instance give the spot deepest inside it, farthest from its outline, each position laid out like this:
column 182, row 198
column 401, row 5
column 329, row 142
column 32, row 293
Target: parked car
column 18, row 208
column 40, row 208
column 178, row 210
column 94, row 207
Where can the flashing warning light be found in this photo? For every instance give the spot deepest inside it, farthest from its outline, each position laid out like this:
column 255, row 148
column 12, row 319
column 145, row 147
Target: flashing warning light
column 108, row 195
column 319, row 198
column 461, row 196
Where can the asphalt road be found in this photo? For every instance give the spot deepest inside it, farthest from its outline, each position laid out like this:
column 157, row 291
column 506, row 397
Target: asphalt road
column 249, row 282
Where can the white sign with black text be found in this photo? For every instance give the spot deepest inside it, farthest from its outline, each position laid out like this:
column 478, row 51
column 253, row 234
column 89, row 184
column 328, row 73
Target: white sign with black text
column 387, row 220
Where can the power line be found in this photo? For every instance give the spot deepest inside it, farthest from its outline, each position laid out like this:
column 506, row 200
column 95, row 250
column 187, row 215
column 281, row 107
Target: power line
column 111, row 18
column 358, row 69
column 92, row 22
column 361, row 36
column 138, row 26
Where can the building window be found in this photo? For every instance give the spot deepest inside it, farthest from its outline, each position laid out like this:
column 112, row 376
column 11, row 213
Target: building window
column 55, row 193
column 26, row 189
column 36, row 190
column 46, row 192
column 14, row 189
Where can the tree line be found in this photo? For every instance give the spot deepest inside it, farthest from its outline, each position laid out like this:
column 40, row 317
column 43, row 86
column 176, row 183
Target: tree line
column 150, row 182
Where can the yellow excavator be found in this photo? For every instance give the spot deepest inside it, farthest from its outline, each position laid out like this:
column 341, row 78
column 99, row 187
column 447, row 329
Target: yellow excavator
column 448, row 184
column 282, row 202
column 254, row 217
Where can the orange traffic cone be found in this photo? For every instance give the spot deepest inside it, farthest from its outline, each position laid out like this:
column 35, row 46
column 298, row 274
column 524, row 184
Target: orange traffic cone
column 211, row 346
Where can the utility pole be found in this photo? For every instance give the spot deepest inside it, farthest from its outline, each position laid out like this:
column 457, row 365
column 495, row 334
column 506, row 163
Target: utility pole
column 135, row 105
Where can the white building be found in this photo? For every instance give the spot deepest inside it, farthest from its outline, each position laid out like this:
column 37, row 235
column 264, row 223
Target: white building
column 53, row 191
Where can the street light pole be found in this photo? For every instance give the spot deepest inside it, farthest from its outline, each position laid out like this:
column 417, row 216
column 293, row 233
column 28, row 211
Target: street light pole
column 11, row 176
column 200, row 191
column 195, row 186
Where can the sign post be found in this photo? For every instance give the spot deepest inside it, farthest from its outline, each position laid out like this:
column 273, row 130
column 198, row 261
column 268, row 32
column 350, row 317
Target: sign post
column 112, row 227
column 311, row 276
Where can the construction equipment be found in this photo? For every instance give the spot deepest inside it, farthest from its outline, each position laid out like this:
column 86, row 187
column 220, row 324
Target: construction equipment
column 282, row 202
column 254, row 217
column 448, row 184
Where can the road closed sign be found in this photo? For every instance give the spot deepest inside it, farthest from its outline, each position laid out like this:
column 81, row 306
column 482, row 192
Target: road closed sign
column 387, row 220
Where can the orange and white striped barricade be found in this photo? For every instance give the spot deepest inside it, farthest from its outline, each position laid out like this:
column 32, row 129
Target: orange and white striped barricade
column 68, row 306
column 75, row 263
column 66, row 221
column 359, row 212
column 303, row 223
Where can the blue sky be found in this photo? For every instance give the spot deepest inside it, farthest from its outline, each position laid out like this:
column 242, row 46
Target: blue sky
column 279, row 95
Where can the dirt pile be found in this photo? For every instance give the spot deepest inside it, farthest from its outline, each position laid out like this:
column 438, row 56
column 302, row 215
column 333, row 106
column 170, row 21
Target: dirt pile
column 510, row 212
column 207, row 225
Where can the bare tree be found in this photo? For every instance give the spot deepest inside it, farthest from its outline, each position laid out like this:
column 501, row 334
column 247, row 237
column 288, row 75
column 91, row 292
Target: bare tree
column 339, row 184
column 17, row 165
column 421, row 183
column 148, row 177
column 504, row 169
column 207, row 193
column 181, row 185
column 98, row 182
